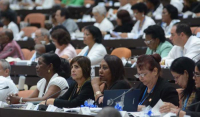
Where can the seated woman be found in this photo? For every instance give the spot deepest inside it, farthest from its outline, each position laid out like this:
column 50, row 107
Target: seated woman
column 182, row 69
column 194, row 108
column 111, row 75
column 124, row 22
column 49, row 69
column 191, row 5
column 156, row 41
column 94, row 50
column 155, row 8
column 169, row 18
column 81, row 90
column 61, row 39
column 143, row 21
column 153, row 87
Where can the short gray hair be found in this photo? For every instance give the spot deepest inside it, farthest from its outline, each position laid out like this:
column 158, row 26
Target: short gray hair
column 5, row 65
column 99, row 9
column 44, row 32
column 108, row 112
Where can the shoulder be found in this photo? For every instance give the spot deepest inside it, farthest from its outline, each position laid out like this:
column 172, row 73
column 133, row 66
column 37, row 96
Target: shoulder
column 87, row 83
column 163, row 85
column 98, row 46
column 121, row 84
column 166, row 44
column 149, row 19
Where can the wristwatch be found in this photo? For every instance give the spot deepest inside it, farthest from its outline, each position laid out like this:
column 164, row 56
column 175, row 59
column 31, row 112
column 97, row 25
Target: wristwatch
column 97, row 93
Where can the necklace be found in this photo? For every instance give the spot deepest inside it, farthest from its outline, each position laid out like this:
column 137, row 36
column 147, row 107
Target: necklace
column 74, row 90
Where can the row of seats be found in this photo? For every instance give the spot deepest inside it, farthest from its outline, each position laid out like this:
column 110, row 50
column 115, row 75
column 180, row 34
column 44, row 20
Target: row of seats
column 119, row 52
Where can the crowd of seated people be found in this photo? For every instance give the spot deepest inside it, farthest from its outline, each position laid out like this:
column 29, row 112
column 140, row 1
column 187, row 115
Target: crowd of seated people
column 60, row 66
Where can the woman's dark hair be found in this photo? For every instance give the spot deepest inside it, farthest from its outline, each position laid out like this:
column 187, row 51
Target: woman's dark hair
column 190, row 1
column 65, row 12
column 149, row 62
column 116, row 67
column 141, row 7
column 65, row 67
column 61, row 36
column 52, row 58
column 84, row 63
column 172, row 11
column 124, row 16
column 58, row 27
column 181, row 64
column 96, row 33
column 8, row 15
column 156, row 32
column 198, row 65
column 155, row 3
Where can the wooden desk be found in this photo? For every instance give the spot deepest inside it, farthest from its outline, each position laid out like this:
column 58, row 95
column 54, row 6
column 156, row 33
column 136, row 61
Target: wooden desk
column 27, row 113
column 137, row 46
column 28, row 71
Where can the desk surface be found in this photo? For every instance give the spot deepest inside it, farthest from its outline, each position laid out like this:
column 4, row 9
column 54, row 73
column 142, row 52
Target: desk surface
column 26, row 113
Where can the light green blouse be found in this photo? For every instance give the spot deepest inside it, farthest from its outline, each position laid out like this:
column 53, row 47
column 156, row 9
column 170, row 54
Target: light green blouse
column 163, row 49
column 73, row 2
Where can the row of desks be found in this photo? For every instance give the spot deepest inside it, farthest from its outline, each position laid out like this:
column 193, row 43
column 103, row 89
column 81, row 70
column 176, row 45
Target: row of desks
column 133, row 44
column 32, row 78
column 26, row 113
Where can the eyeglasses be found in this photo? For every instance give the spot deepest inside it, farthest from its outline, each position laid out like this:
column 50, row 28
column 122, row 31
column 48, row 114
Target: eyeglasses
column 140, row 75
column 148, row 42
column 196, row 74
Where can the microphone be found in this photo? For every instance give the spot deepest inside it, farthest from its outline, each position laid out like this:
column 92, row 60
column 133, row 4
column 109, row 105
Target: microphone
column 6, row 87
column 111, row 101
column 44, row 107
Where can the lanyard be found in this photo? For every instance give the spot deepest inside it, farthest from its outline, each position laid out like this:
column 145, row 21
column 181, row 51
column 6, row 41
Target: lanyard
column 185, row 103
column 140, row 28
column 86, row 53
column 143, row 99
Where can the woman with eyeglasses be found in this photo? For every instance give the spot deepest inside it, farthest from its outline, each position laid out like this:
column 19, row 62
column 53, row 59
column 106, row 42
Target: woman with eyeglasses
column 156, row 41
column 182, row 70
column 153, row 87
column 194, row 108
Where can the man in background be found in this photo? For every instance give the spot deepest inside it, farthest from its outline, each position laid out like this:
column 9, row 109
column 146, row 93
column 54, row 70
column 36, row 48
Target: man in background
column 7, row 86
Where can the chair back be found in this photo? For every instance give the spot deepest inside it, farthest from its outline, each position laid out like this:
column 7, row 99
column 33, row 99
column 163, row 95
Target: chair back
column 121, row 52
column 78, row 51
column 35, row 18
column 29, row 30
column 26, row 53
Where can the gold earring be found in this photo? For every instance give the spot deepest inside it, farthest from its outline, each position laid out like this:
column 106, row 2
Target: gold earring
column 49, row 71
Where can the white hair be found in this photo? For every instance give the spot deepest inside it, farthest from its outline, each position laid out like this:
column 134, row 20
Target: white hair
column 99, row 9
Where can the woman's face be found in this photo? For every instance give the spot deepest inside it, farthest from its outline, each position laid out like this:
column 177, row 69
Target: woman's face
column 151, row 43
column 119, row 22
column 165, row 16
column 42, row 68
column 181, row 79
column 197, row 77
column 88, row 38
column 146, row 76
column 56, row 43
column 137, row 14
column 104, row 71
column 76, row 71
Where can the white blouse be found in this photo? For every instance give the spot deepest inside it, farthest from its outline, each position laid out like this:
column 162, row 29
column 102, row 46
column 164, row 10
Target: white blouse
column 55, row 80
